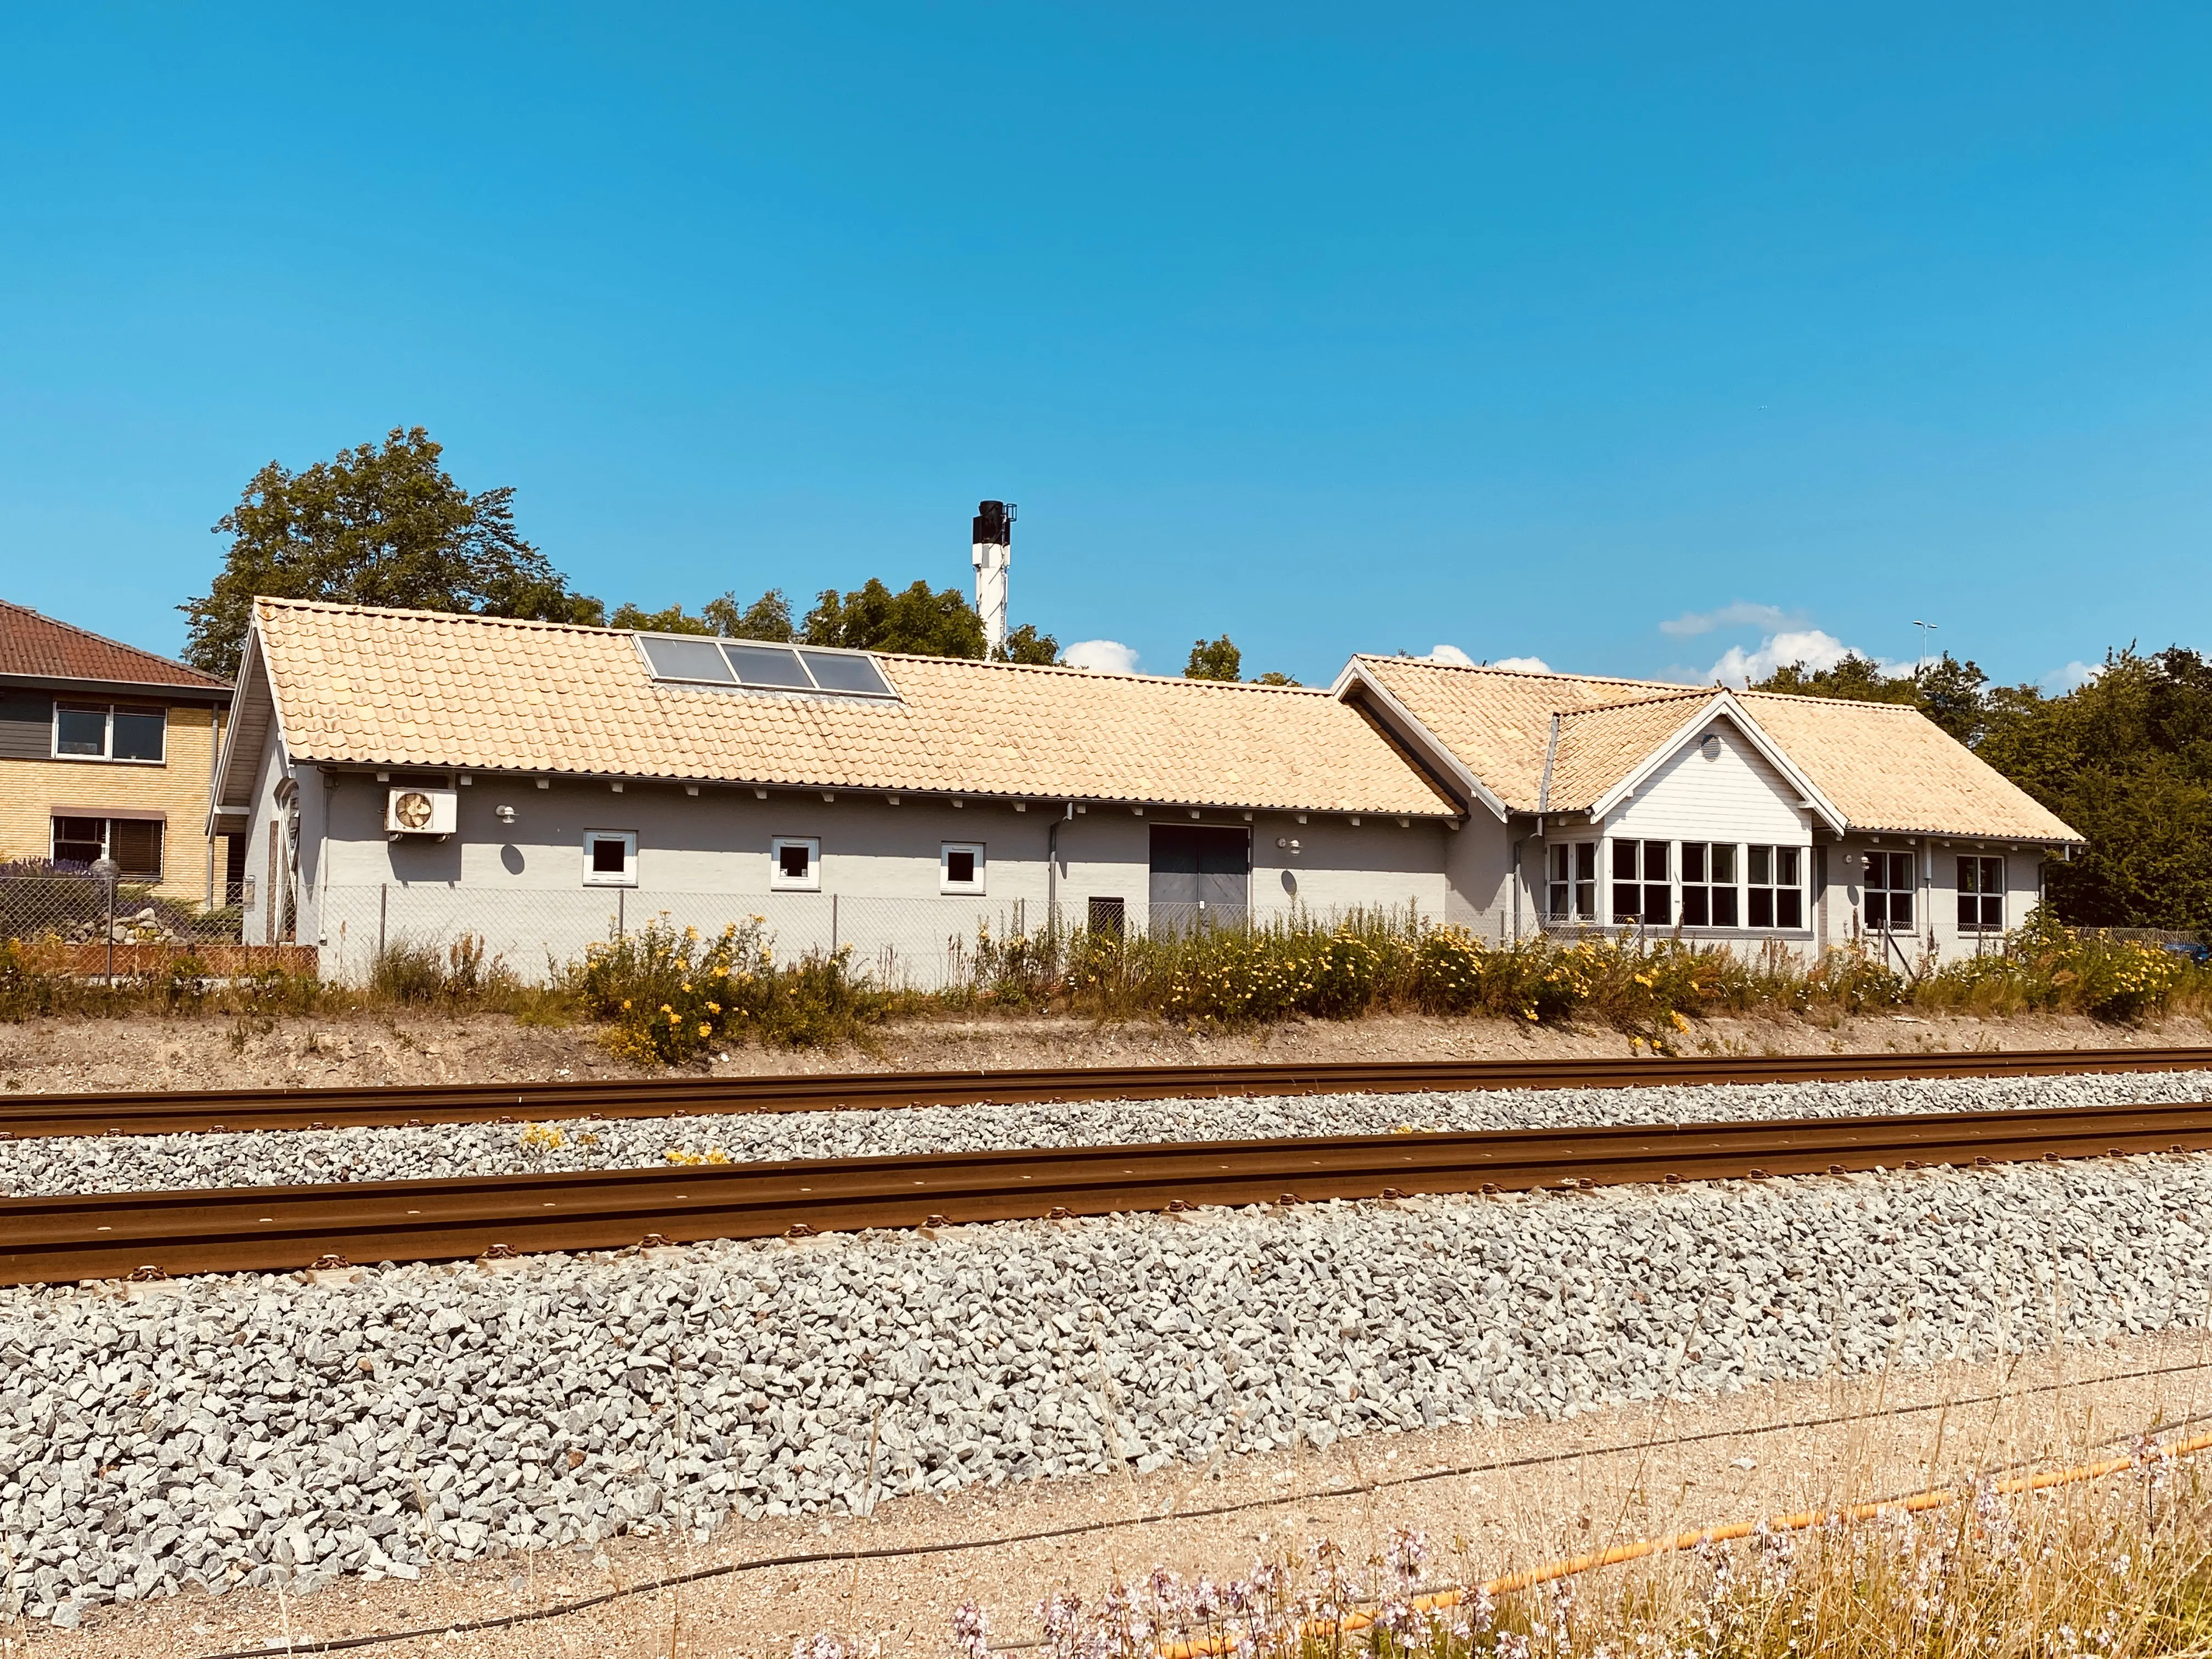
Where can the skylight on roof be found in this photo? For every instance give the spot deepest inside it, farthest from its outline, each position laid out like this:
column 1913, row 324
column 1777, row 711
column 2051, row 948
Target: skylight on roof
column 692, row 660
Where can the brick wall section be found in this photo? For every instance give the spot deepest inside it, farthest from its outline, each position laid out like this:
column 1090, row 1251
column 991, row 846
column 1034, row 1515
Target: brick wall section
column 31, row 791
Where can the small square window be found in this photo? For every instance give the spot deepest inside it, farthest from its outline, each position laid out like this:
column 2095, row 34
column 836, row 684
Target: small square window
column 960, row 867
column 610, row 858
column 795, row 863
column 1105, row 917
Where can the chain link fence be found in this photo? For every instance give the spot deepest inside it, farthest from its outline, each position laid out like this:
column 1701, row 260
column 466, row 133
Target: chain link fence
column 921, row 944
column 77, row 923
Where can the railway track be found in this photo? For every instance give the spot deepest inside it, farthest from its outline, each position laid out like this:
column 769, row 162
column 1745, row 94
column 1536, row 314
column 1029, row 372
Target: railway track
column 108, row 1236
column 157, row 1113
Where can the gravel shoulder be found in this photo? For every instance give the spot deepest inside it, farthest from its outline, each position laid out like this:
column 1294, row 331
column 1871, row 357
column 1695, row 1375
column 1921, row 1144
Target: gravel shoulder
column 311, row 1432
column 54, row 1166
column 1608, row 1475
column 185, row 1052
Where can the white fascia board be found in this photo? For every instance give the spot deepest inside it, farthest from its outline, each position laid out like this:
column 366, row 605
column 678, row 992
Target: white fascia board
column 1410, row 728
column 253, row 677
column 1724, row 704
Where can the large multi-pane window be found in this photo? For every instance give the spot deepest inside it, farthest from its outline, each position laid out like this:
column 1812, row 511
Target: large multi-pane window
column 1641, row 889
column 112, row 732
column 1981, row 896
column 1889, row 887
column 1571, row 892
column 1774, row 890
column 135, row 844
column 1709, row 893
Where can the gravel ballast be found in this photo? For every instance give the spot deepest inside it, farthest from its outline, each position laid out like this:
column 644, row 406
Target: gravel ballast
column 266, row 1429
column 60, row 1165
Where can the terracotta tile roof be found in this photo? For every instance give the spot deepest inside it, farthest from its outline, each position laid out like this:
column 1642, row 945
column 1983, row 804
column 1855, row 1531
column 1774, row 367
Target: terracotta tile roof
column 1599, row 747
column 1888, row 767
column 36, row 647
column 359, row 685
column 1884, row 766
column 1498, row 720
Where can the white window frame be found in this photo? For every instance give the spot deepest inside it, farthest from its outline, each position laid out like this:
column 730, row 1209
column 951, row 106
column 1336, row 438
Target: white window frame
column 780, row 883
column 1713, row 887
column 1565, row 886
column 1982, row 895
column 1774, row 887
column 945, row 852
column 1910, row 893
column 628, row 877
column 1644, row 882
column 106, row 756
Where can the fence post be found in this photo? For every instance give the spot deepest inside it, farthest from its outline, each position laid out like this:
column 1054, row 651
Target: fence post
column 833, row 924
column 106, row 869
column 383, row 909
column 622, row 914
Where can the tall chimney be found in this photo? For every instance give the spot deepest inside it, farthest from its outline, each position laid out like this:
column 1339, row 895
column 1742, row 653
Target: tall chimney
column 994, row 551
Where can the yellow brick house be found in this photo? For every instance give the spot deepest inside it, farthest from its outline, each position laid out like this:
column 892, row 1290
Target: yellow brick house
column 107, row 750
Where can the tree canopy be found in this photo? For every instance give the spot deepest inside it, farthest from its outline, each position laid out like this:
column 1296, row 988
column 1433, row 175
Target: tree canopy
column 1220, row 660
column 376, row 526
column 2126, row 759
column 1947, row 690
column 874, row 618
column 1214, row 660
column 768, row 617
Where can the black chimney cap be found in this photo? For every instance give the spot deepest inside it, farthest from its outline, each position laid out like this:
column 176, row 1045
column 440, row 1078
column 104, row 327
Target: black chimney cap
column 995, row 524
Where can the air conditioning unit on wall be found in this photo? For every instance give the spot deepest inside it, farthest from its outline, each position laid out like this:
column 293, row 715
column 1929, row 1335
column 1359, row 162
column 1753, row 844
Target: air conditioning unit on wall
column 421, row 811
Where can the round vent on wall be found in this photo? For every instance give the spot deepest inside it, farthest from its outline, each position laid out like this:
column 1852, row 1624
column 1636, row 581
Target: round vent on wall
column 1711, row 747
column 412, row 809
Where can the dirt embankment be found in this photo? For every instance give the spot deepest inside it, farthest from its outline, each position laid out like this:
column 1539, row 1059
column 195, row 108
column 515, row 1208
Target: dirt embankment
column 79, row 1055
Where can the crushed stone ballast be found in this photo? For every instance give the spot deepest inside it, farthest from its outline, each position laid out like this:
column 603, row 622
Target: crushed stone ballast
column 255, row 1429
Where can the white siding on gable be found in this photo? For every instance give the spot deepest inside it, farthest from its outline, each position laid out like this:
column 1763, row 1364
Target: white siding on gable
column 1734, row 797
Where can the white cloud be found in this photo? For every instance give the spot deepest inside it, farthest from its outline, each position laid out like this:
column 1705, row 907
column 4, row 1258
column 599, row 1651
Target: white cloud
column 1103, row 657
column 2072, row 677
column 1813, row 646
column 1452, row 654
column 1741, row 614
column 1526, row 665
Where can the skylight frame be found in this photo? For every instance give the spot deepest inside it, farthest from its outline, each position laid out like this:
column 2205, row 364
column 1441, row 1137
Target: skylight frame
column 797, row 654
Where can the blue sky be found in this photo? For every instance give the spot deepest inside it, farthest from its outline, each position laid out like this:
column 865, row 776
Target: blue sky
column 1337, row 329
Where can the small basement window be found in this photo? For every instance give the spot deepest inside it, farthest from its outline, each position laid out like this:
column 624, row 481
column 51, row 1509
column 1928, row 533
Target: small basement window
column 960, row 867
column 1106, row 917
column 795, row 863
column 610, row 858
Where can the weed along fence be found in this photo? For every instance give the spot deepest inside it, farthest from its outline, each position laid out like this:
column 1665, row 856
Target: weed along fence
column 83, row 927
column 923, row 944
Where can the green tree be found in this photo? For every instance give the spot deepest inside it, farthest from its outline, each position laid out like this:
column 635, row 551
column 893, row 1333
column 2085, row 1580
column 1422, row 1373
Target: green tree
column 768, row 617
column 1217, row 659
column 874, row 618
column 1025, row 644
column 1274, row 677
column 2127, row 760
column 1949, row 691
column 374, row 525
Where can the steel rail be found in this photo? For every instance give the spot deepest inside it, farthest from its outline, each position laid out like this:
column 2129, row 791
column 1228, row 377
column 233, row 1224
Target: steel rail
column 106, row 1236
column 165, row 1113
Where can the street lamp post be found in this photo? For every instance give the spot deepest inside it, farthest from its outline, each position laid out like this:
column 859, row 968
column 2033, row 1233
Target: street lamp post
column 1926, row 629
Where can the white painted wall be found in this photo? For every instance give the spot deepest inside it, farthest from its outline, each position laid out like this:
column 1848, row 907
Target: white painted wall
column 704, row 859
